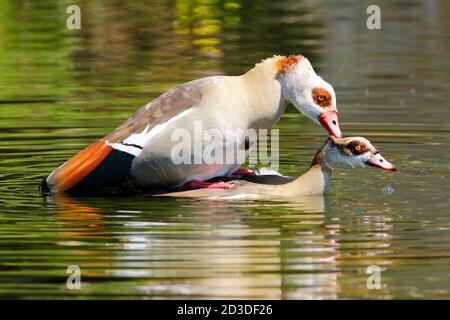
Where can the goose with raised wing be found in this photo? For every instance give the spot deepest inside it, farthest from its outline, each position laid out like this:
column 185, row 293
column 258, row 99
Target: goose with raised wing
column 350, row 151
column 139, row 153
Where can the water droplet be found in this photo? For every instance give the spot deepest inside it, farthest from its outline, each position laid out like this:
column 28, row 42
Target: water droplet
column 388, row 190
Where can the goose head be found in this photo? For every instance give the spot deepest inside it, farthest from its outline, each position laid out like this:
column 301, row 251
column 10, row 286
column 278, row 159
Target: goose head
column 357, row 151
column 308, row 92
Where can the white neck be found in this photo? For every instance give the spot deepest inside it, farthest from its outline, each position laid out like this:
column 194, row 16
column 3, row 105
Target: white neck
column 262, row 90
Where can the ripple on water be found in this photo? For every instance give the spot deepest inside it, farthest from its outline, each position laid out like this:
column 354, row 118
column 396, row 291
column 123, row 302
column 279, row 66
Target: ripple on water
column 72, row 89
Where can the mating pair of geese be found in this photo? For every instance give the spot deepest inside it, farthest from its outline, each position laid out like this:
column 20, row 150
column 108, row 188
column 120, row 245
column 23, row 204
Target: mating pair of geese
column 138, row 154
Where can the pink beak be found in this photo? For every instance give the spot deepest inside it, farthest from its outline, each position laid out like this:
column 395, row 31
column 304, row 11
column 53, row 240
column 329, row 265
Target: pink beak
column 329, row 120
column 376, row 160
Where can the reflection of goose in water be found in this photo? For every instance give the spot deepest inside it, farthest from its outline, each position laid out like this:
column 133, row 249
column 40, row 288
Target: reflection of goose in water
column 254, row 250
column 83, row 216
column 351, row 151
column 309, row 204
column 235, row 255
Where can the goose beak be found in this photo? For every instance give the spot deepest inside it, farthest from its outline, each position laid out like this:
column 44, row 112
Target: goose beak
column 376, row 160
column 329, row 120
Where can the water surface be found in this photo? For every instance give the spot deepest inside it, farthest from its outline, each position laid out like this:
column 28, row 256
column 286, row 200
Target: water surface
column 61, row 89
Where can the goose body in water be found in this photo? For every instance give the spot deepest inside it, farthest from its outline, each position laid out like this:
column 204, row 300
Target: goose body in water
column 350, row 151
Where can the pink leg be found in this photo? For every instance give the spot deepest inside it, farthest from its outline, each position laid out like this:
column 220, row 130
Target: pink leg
column 195, row 184
column 243, row 172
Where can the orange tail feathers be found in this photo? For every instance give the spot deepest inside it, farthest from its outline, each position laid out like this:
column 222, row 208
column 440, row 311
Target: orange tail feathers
column 78, row 167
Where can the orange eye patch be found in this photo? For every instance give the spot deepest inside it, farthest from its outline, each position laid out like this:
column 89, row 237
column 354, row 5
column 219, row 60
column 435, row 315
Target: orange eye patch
column 321, row 97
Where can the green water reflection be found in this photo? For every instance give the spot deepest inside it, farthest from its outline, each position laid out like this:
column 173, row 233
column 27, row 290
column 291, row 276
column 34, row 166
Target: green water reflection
column 61, row 89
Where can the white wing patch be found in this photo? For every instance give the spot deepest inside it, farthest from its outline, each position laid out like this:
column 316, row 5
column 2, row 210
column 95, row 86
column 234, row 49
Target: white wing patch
column 136, row 141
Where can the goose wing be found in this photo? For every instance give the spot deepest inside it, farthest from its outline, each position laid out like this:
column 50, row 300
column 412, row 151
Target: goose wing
column 107, row 162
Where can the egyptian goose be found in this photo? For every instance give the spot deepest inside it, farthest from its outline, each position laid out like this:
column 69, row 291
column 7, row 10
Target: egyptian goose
column 138, row 153
column 351, row 151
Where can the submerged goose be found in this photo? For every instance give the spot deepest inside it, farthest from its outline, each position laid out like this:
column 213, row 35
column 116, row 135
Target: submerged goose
column 139, row 152
column 351, row 151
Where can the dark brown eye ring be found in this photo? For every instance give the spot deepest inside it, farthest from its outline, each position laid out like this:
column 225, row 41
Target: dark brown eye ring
column 356, row 149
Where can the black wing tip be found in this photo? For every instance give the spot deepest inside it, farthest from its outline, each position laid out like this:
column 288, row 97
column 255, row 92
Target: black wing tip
column 43, row 186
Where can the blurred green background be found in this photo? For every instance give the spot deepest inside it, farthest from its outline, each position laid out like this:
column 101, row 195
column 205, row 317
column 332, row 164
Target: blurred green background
column 62, row 89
